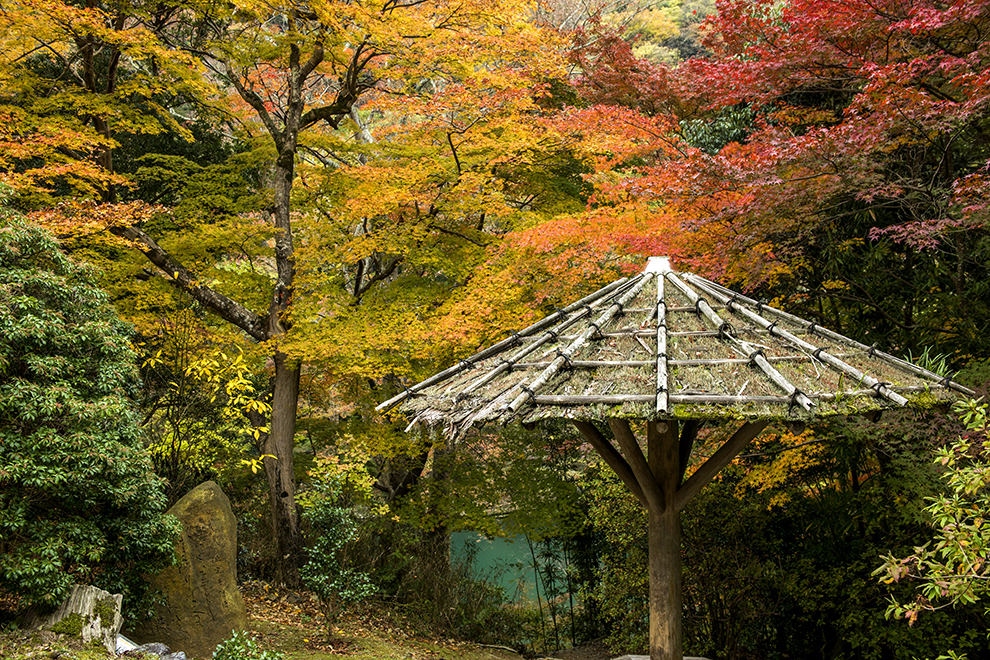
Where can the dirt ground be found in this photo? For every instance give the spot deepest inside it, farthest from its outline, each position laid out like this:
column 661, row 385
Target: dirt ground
column 592, row 651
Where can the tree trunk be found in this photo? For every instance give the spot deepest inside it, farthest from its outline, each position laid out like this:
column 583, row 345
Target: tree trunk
column 281, row 472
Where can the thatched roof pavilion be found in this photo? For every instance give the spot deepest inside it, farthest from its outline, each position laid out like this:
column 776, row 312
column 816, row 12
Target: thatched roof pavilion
column 674, row 349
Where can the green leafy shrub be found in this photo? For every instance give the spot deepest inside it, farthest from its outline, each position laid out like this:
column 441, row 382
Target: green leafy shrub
column 241, row 646
column 952, row 569
column 327, row 571
column 79, row 501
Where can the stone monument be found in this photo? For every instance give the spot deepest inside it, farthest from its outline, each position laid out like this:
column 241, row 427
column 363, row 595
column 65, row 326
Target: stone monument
column 203, row 605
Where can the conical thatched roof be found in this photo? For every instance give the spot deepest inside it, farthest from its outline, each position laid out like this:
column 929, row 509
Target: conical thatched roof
column 666, row 345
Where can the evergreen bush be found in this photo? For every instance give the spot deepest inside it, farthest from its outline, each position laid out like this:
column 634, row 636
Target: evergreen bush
column 79, row 502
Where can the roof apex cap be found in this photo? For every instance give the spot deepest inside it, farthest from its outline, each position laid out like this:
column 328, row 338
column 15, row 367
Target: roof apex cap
column 658, row 265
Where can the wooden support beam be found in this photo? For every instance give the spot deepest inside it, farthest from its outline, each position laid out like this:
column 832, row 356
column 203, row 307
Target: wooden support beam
column 689, row 433
column 716, row 462
column 637, row 461
column 665, row 546
column 612, row 457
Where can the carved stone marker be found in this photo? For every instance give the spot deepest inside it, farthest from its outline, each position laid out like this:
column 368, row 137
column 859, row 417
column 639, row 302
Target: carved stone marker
column 89, row 614
column 203, row 606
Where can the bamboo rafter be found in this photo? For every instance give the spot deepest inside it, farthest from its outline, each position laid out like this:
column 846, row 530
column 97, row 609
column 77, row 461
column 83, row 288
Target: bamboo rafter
column 881, row 389
column 500, row 346
column 754, row 353
column 614, row 310
column 815, row 329
column 663, row 378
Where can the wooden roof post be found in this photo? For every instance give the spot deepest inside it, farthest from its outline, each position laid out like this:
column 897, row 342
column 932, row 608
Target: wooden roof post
column 665, row 544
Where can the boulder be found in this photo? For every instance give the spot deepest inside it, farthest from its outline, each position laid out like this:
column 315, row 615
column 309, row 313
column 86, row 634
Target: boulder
column 202, row 603
column 88, row 614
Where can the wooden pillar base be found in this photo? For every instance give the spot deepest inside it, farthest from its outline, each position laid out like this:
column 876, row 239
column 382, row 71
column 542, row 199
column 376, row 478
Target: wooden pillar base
column 665, row 586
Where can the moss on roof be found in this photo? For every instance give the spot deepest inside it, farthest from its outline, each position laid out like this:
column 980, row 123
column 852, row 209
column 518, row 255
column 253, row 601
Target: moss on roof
column 727, row 357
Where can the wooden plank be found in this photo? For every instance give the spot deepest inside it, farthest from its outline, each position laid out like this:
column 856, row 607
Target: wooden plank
column 612, row 458
column 717, row 461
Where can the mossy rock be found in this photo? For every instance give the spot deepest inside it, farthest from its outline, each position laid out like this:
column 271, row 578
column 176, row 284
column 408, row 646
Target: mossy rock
column 89, row 614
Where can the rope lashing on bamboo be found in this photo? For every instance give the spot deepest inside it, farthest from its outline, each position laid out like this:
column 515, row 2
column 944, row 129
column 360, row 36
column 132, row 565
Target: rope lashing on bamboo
column 824, row 356
column 557, row 364
column 497, row 348
column 876, row 387
column 697, row 305
column 795, row 399
column 567, row 358
column 897, row 362
column 726, row 331
column 748, row 349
